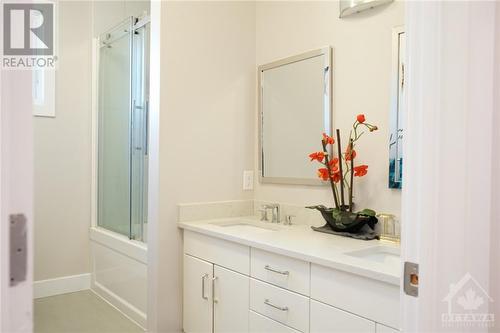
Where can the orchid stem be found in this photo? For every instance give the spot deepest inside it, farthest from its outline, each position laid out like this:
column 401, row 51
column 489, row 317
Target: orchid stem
column 352, row 177
column 339, row 146
column 327, row 162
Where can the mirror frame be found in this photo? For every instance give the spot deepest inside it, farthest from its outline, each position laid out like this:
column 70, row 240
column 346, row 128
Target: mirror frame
column 397, row 111
column 327, row 54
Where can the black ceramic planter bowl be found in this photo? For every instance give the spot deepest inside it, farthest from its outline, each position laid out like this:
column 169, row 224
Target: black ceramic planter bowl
column 353, row 227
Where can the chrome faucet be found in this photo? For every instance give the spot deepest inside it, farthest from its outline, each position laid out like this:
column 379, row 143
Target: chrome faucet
column 276, row 212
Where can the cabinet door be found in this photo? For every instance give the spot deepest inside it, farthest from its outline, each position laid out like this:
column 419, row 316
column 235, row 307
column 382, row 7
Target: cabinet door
column 231, row 299
column 385, row 329
column 197, row 310
column 327, row 319
column 261, row 324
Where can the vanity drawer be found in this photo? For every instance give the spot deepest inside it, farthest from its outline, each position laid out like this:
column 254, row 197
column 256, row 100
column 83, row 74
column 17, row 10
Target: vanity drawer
column 384, row 329
column 372, row 299
column 218, row 251
column 261, row 324
column 327, row 319
column 285, row 272
column 279, row 304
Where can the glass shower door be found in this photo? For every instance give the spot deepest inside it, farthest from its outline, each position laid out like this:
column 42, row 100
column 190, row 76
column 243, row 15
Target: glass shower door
column 114, row 133
column 123, row 90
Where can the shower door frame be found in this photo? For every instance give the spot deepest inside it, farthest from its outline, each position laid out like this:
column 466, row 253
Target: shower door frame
column 137, row 23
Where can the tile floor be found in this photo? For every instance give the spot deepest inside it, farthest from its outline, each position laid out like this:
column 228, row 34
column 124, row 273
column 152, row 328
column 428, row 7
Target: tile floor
column 82, row 312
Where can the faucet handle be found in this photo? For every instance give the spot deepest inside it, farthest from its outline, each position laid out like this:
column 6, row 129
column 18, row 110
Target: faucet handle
column 288, row 219
column 263, row 214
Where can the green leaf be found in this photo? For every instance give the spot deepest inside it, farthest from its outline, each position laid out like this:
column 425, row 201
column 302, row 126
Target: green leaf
column 367, row 212
column 337, row 214
column 343, row 217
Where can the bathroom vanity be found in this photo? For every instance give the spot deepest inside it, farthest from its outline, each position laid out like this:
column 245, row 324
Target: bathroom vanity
column 243, row 275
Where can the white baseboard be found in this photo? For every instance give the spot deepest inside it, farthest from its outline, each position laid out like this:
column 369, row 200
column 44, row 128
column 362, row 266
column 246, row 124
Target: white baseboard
column 127, row 309
column 61, row 285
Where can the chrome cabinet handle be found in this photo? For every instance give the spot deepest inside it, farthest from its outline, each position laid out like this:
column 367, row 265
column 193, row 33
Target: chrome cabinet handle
column 203, row 286
column 269, row 268
column 281, row 308
column 213, row 289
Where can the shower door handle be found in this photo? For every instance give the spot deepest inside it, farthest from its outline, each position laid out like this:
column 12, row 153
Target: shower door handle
column 146, row 138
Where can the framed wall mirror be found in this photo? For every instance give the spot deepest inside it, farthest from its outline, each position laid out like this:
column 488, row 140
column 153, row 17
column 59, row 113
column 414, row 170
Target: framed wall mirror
column 397, row 113
column 295, row 108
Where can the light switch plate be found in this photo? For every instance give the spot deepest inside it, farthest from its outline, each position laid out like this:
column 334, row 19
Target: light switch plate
column 248, row 180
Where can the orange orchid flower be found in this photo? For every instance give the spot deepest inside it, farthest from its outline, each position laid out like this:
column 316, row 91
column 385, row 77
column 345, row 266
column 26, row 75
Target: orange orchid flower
column 361, row 118
column 323, row 173
column 334, row 164
column 319, row 156
column 336, row 176
column 350, row 154
column 360, row 171
column 328, row 139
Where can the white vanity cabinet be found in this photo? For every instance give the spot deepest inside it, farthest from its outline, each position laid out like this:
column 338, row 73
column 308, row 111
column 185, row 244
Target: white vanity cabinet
column 232, row 287
column 197, row 298
column 384, row 329
column 262, row 324
column 368, row 298
column 215, row 298
column 327, row 319
column 230, row 294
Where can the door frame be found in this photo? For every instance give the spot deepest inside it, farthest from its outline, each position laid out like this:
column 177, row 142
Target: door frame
column 153, row 237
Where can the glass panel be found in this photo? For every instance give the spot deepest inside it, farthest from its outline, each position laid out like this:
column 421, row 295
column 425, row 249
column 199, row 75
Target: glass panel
column 114, row 130
column 140, row 91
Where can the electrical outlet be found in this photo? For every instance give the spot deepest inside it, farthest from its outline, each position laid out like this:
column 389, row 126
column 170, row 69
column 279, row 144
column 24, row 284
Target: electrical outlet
column 247, row 180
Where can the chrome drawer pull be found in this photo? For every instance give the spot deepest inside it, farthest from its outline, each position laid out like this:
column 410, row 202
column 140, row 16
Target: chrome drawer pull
column 203, row 286
column 269, row 268
column 281, row 308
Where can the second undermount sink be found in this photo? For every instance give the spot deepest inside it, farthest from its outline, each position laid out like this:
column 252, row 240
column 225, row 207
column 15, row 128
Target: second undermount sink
column 380, row 254
column 246, row 225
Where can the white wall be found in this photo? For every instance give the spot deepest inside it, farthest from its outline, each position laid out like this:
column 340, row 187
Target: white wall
column 206, row 123
column 62, row 155
column 362, row 69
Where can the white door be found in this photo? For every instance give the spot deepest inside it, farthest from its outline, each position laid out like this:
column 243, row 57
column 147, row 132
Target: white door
column 197, row 311
column 16, row 201
column 231, row 301
column 446, row 212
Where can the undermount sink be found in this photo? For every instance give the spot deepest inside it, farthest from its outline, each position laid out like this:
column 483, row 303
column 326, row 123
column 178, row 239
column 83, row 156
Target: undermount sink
column 245, row 226
column 380, row 254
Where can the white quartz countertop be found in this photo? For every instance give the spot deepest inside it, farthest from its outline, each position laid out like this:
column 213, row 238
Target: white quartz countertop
column 301, row 242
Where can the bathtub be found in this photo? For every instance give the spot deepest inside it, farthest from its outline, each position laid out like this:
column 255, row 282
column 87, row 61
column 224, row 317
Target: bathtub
column 119, row 272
